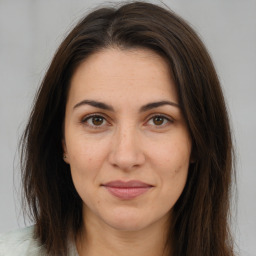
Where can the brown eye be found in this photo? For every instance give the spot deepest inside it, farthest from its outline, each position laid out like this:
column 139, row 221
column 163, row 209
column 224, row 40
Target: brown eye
column 97, row 120
column 158, row 120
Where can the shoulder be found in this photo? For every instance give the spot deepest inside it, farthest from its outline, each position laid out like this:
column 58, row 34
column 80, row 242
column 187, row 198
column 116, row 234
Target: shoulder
column 20, row 243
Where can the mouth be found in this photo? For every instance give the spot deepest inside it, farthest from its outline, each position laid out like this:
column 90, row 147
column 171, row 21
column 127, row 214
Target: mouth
column 127, row 190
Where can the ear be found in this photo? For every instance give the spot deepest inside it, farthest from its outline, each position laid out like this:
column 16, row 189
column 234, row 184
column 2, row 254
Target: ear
column 192, row 159
column 65, row 153
column 193, row 155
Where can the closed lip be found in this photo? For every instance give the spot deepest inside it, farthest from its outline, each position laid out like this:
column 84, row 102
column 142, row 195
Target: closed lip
column 127, row 190
column 127, row 184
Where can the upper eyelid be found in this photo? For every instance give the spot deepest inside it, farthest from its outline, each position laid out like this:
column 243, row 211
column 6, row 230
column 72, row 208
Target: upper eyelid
column 85, row 122
column 161, row 115
column 106, row 118
column 86, row 117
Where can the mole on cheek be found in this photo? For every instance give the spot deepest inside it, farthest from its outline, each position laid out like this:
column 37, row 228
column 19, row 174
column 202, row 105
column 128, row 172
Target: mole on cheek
column 176, row 171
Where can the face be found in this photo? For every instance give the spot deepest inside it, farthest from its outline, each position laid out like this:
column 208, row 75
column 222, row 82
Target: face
column 125, row 139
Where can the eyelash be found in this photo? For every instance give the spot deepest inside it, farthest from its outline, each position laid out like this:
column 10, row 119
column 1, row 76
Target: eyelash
column 166, row 119
column 85, row 120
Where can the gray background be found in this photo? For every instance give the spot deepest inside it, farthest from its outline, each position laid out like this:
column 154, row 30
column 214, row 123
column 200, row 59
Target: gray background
column 30, row 32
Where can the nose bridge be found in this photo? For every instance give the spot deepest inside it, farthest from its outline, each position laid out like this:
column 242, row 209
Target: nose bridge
column 126, row 151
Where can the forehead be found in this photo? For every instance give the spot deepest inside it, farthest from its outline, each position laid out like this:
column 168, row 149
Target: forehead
column 136, row 73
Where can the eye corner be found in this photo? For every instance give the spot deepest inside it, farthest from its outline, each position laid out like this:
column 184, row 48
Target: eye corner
column 162, row 120
column 94, row 121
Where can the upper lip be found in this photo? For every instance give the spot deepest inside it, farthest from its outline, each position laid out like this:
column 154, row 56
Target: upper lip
column 127, row 184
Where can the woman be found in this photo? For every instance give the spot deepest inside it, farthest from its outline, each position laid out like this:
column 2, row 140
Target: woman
column 128, row 148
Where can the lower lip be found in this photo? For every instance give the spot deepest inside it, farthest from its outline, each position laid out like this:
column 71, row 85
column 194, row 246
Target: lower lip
column 127, row 193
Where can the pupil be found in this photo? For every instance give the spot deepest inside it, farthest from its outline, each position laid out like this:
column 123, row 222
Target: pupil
column 97, row 120
column 158, row 120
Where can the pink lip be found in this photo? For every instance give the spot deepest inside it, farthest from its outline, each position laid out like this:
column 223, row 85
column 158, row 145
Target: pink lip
column 127, row 190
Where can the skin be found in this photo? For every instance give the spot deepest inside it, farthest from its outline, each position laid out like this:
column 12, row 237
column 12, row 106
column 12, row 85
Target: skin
column 126, row 142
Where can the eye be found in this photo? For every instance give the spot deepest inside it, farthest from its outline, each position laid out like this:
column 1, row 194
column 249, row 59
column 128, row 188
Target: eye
column 94, row 121
column 159, row 120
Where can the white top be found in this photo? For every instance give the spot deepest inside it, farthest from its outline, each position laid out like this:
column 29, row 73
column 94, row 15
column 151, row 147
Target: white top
column 22, row 243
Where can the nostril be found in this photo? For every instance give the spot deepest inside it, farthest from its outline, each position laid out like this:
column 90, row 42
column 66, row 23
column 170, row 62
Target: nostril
column 126, row 153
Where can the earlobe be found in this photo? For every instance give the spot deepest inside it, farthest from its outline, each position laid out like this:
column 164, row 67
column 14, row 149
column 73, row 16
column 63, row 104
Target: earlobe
column 193, row 156
column 65, row 154
column 192, row 160
column 65, row 158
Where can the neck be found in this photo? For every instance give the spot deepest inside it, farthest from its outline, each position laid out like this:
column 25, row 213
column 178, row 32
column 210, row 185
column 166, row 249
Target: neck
column 101, row 239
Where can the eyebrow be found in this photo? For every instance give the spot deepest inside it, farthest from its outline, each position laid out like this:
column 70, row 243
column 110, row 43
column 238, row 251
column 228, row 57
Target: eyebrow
column 95, row 104
column 158, row 104
column 144, row 108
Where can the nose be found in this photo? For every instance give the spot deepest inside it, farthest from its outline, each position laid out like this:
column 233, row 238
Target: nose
column 126, row 149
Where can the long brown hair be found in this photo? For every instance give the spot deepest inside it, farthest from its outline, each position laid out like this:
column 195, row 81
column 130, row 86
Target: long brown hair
column 200, row 223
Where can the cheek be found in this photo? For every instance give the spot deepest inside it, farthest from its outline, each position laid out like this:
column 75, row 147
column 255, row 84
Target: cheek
column 85, row 165
column 172, row 179
column 86, row 158
column 84, row 152
column 171, row 162
column 172, row 155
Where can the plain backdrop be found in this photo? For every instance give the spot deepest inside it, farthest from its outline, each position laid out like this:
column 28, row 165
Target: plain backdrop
column 30, row 32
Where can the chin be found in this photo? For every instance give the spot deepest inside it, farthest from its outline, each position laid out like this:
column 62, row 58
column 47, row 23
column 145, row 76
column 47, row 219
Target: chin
column 127, row 225
column 128, row 220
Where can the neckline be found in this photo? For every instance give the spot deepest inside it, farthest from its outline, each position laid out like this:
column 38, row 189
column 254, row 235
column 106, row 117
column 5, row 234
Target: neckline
column 72, row 250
